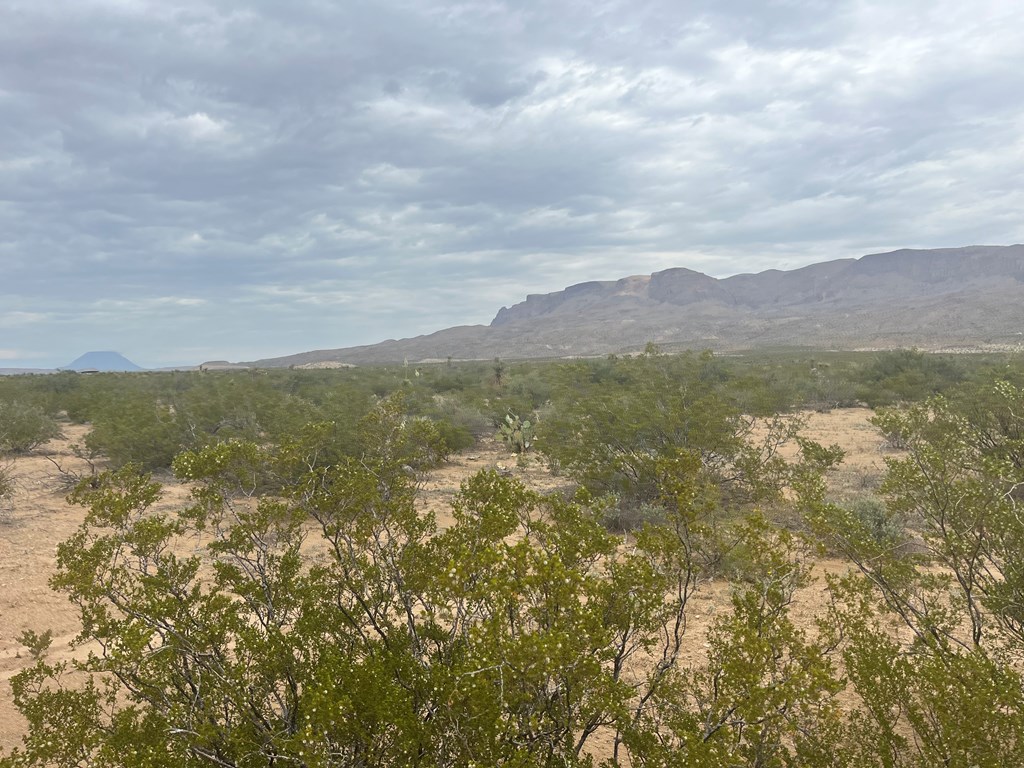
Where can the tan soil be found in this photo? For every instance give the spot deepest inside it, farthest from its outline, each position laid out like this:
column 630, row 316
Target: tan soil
column 864, row 463
column 38, row 518
column 31, row 526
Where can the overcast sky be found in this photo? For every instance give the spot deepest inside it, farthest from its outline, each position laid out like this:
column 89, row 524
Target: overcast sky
column 183, row 180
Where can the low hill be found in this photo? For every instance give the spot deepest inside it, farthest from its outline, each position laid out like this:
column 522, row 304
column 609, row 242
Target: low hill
column 962, row 298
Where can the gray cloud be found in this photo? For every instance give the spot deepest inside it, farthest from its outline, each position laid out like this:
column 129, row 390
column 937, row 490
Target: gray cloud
column 186, row 179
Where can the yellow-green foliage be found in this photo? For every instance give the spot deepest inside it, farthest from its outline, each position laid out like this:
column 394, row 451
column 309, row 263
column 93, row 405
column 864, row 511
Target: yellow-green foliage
column 24, row 426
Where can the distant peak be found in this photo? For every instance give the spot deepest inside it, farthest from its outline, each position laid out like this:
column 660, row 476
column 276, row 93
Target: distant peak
column 103, row 361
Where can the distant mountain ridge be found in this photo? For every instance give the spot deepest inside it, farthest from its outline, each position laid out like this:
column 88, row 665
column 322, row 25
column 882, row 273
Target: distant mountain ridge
column 970, row 297
column 900, row 275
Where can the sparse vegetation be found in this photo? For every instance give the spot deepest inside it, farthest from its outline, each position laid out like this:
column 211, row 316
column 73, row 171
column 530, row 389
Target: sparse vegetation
column 326, row 619
column 517, row 634
column 6, row 491
column 906, row 376
column 615, row 426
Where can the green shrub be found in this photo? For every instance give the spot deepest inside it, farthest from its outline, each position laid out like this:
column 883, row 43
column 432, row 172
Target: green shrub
column 456, row 438
column 623, row 519
column 24, row 426
column 614, row 425
column 460, row 417
column 137, row 431
column 6, row 482
column 883, row 526
column 6, row 492
column 906, row 376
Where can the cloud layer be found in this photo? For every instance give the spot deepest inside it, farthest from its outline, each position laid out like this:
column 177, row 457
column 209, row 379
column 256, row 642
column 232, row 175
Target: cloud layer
column 191, row 179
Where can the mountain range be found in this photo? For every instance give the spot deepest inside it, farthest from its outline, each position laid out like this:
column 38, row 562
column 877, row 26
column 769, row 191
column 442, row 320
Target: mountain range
column 968, row 298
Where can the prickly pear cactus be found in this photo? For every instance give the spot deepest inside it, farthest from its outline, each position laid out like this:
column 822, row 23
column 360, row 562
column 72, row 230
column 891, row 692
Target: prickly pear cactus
column 516, row 433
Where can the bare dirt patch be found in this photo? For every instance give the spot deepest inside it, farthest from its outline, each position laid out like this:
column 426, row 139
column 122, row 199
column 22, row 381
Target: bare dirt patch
column 864, row 464
column 35, row 521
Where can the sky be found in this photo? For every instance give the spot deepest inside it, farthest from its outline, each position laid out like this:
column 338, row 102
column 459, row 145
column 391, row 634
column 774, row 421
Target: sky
column 188, row 180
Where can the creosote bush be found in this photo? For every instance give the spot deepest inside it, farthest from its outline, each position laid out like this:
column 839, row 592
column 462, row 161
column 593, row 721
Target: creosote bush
column 6, row 481
column 954, row 694
column 614, row 425
column 24, row 426
column 6, row 491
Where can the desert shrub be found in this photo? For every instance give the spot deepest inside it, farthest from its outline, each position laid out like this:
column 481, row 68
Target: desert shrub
column 907, row 376
column 826, row 390
column 455, row 438
column 611, row 423
column 138, row 430
column 467, row 417
column 156, row 417
column 613, row 428
column 24, row 426
column 83, row 398
column 527, row 386
column 463, row 421
column 452, row 378
column 761, row 394
column 216, row 408
column 893, row 439
column 524, row 631
column 623, row 519
column 66, row 476
column 997, row 430
column 6, row 481
column 883, row 526
column 6, row 491
column 402, row 439
column 955, row 685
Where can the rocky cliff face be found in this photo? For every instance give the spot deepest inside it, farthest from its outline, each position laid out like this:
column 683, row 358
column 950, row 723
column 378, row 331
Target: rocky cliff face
column 900, row 276
column 954, row 297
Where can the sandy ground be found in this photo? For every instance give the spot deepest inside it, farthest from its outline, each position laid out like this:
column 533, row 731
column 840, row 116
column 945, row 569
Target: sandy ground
column 31, row 526
column 38, row 518
column 866, row 451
